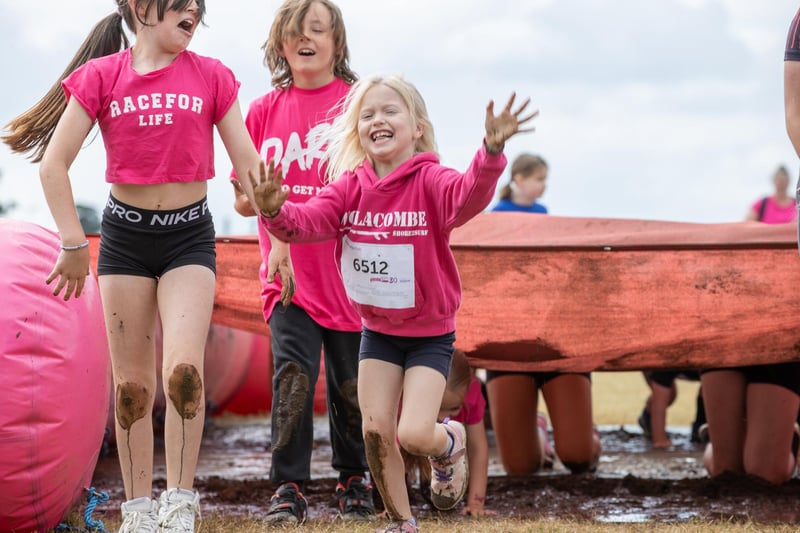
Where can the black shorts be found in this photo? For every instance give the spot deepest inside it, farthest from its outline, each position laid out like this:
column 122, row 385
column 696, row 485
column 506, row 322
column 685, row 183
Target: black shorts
column 141, row 242
column 434, row 352
column 786, row 375
column 540, row 378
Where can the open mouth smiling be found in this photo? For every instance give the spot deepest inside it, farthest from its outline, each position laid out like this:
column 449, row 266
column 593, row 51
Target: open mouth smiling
column 378, row 135
column 187, row 25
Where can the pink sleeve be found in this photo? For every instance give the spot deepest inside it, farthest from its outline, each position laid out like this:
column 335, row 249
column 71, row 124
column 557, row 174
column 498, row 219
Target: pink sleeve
column 227, row 90
column 85, row 85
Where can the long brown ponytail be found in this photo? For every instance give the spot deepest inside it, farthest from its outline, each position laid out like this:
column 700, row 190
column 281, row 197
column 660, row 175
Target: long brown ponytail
column 31, row 131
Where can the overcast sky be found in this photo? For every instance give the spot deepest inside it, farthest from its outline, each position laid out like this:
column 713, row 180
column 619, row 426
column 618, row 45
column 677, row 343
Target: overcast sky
column 652, row 109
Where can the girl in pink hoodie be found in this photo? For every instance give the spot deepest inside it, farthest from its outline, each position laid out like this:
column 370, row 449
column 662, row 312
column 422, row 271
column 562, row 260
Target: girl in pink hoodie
column 391, row 207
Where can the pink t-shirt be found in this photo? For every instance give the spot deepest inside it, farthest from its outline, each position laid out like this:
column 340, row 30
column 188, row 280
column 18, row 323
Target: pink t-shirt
column 157, row 127
column 474, row 404
column 774, row 213
column 286, row 125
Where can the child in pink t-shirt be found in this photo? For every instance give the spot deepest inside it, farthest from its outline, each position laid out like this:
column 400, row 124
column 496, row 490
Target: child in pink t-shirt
column 308, row 57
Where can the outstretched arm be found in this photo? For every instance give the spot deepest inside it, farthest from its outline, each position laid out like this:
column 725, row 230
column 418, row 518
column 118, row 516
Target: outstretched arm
column 500, row 128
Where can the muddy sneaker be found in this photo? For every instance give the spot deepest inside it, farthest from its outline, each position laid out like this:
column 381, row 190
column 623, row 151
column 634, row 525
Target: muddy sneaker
column 139, row 516
column 449, row 472
column 355, row 499
column 401, row 526
column 287, row 505
column 549, row 458
column 177, row 511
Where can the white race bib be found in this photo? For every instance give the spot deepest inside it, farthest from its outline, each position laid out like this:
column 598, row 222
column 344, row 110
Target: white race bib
column 381, row 275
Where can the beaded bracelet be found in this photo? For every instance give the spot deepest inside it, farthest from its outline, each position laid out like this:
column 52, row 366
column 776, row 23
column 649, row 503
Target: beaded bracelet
column 84, row 244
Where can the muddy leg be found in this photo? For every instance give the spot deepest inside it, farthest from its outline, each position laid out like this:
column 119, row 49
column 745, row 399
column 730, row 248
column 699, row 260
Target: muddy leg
column 185, row 391
column 133, row 407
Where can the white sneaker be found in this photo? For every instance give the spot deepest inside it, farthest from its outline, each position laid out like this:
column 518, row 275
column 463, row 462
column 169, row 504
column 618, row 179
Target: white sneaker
column 177, row 511
column 139, row 516
column 449, row 473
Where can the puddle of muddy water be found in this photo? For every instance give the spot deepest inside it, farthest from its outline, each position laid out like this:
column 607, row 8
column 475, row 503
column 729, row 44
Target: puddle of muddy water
column 633, row 483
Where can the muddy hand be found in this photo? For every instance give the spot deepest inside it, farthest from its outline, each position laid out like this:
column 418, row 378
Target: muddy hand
column 268, row 188
column 508, row 123
column 279, row 261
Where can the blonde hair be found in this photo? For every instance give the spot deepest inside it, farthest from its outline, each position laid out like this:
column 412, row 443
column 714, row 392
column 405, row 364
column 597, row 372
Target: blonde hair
column 289, row 22
column 345, row 152
column 524, row 165
column 32, row 130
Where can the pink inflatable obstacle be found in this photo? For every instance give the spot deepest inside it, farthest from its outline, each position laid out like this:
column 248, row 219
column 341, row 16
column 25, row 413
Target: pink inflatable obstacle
column 54, row 383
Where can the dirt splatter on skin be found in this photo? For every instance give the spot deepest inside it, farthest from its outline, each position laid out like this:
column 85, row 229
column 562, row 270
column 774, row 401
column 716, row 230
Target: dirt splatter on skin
column 292, row 392
column 186, row 394
column 376, row 456
column 132, row 401
column 186, row 390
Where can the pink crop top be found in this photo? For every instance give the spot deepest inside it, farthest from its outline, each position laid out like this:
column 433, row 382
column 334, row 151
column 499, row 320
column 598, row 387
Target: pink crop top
column 157, row 127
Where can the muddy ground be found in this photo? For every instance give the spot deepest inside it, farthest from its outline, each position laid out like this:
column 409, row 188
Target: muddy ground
column 633, row 483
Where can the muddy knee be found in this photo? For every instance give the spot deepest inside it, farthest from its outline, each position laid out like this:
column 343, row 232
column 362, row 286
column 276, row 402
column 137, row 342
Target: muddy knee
column 185, row 389
column 133, row 402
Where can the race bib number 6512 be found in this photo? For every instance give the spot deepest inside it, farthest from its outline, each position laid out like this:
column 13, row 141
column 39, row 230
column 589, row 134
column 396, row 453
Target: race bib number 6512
column 381, row 275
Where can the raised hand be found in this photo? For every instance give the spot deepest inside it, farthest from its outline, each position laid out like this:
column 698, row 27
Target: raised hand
column 268, row 188
column 508, row 123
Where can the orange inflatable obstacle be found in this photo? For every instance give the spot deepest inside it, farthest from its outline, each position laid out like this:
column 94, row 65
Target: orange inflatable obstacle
column 582, row 294
column 54, row 383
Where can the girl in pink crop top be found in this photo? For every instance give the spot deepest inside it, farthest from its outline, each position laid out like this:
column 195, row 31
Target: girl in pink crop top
column 156, row 105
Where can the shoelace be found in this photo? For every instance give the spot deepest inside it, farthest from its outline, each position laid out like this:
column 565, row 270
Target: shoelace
column 134, row 522
column 176, row 512
column 443, row 475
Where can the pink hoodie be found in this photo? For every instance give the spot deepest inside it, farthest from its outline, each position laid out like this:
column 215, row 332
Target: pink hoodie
column 393, row 237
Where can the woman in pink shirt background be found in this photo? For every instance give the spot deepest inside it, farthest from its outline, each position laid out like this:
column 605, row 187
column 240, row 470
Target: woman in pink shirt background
column 778, row 208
